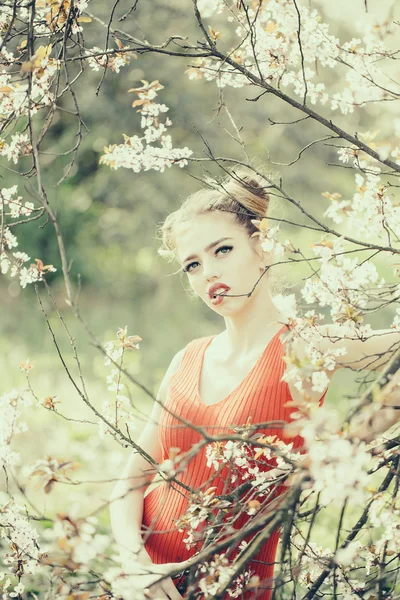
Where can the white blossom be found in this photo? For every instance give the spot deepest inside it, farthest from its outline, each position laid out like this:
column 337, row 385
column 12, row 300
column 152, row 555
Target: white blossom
column 208, row 7
column 19, row 145
column 287, row 304
column 10, row 425
column 320, row 381
column 338, row 466
column 23, row 538
column 114, row 61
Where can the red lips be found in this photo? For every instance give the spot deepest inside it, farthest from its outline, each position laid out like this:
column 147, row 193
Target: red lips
column 217, row 286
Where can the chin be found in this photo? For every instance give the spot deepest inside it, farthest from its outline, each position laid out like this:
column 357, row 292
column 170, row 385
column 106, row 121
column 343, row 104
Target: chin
column 228, row 311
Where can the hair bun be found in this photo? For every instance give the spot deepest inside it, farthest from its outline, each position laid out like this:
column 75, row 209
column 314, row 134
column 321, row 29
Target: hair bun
column 249, row 189
column 256, row 185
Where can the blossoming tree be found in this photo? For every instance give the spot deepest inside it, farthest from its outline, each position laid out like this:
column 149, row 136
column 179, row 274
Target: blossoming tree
column 279, row 49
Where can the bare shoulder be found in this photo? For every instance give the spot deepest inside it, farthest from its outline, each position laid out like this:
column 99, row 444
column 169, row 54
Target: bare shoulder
column 175, row 362
column 172, row 369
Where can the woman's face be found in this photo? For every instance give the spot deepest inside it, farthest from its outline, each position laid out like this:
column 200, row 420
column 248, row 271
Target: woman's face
column 234, row 261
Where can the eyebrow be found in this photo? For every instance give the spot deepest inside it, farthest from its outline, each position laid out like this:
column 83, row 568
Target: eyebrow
column 209, row 247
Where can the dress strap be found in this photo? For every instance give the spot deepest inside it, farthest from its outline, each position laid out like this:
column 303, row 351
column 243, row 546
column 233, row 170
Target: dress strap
column 185, row 378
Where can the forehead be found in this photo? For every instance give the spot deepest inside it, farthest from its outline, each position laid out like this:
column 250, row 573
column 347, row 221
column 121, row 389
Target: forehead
column 192, row 237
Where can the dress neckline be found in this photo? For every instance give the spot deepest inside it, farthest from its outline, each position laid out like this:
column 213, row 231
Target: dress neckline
column 249, row 374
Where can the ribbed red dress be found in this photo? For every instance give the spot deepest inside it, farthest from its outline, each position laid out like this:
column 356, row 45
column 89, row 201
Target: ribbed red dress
column 260, row 397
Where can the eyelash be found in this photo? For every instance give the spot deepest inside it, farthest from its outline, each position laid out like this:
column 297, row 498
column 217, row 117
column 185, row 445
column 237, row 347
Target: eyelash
column 187, row 268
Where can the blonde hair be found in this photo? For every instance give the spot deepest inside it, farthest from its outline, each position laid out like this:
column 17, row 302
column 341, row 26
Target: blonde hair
column 242, row 193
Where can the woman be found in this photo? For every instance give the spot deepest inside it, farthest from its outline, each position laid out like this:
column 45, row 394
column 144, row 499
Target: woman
column 215, row 382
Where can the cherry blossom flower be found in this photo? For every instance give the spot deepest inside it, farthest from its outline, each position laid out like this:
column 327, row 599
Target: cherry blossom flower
column 23, row 538
column 51, row 470
column 19, row 145
column 274, row 42
column 78, row 537
column 120, row 407
column 114, row 62
column 208, row 8
column 10, row 425
column 139, row 153
column 338, row 466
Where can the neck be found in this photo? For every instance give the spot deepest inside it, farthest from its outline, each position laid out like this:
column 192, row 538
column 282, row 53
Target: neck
column 255, row 324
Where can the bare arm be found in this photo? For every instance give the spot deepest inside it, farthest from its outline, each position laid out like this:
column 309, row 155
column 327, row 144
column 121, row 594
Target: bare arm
column 386, row 415
column 370, row 353
column 126, row 500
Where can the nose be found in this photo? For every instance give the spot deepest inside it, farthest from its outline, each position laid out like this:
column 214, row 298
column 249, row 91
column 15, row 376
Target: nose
column 210, row 272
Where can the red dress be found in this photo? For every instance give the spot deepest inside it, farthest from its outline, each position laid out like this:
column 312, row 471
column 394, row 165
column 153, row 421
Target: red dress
column 260, row 397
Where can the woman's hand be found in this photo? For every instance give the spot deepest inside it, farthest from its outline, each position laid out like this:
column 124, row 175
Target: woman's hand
column 146, row 579
column 151, row 585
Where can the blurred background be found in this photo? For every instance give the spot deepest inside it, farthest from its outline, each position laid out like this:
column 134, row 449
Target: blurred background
column 109, row 221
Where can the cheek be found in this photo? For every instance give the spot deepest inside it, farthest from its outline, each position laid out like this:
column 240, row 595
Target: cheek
column 195, row 284
column 246, row 264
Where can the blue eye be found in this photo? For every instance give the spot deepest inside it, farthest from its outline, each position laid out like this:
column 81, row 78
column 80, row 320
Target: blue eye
column 224, row 248
column 188, row 267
